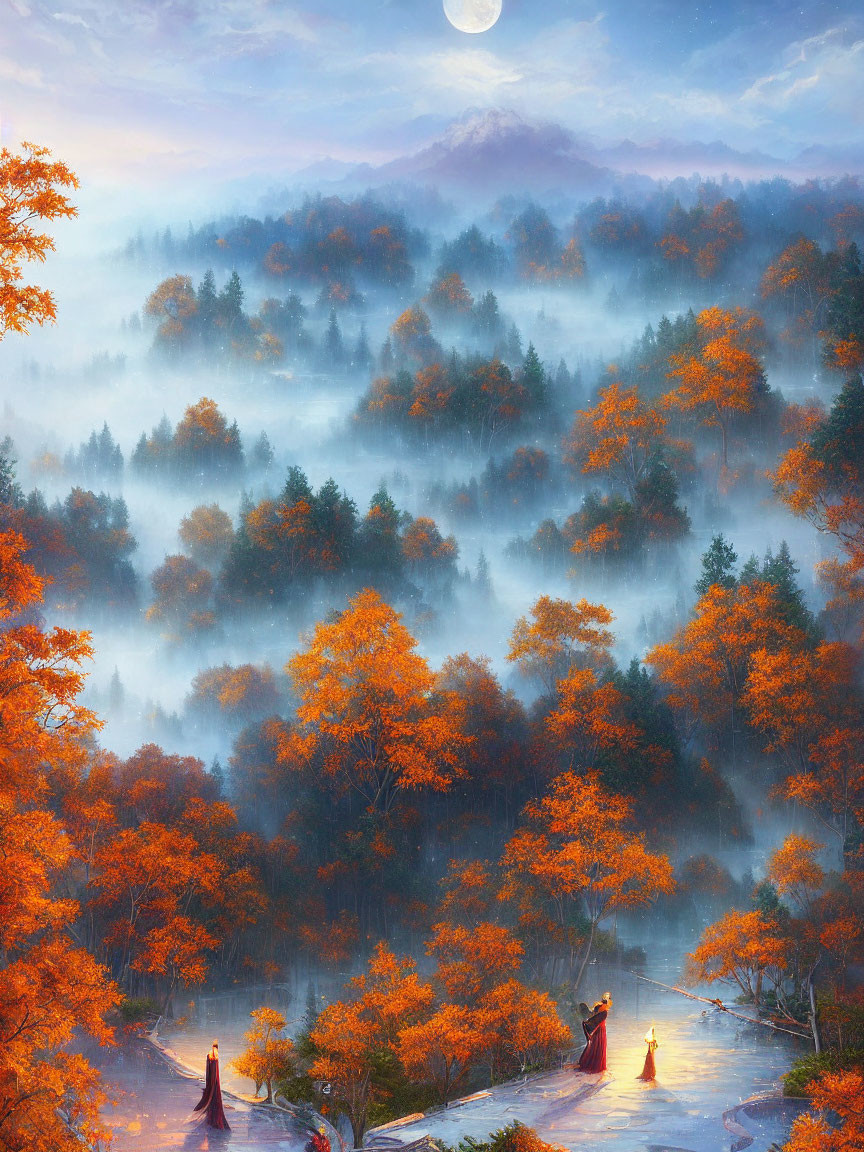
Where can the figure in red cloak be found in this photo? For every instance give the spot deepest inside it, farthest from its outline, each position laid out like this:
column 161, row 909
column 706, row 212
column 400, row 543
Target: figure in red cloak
column 593, row 1059
column 210, row 1104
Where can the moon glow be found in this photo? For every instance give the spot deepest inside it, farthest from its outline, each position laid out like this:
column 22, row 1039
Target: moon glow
column 472, row 15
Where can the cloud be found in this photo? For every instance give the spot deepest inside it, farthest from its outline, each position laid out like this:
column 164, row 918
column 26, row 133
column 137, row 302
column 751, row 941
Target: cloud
column 71, row 18
column 469, row 71
column 15, row 73
column 827, row 69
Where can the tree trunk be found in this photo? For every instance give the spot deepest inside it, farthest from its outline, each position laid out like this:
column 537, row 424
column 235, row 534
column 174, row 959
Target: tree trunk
column 813, row 1018
column 585, row 958
column 358, row 1129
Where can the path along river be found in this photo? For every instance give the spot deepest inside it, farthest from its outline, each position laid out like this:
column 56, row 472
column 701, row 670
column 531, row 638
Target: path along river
column 708, row 1064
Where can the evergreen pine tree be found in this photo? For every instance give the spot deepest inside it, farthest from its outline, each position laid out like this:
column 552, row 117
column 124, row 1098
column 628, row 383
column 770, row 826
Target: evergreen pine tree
column 534, row 377
column 334, row 350
column 718, row 566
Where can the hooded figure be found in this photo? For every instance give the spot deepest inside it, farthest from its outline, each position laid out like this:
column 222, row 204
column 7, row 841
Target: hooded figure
column 593, row 1059
column 210, row 1103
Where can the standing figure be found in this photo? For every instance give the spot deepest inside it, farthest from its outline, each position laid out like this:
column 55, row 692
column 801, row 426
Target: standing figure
column 593, row 1059
column 210, row 1104
column 649, row 1072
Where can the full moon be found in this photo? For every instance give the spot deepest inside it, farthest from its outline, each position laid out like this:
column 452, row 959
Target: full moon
column 472, row 15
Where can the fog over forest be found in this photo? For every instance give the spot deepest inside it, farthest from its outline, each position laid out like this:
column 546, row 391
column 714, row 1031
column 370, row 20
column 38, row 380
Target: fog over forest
column 432, row 593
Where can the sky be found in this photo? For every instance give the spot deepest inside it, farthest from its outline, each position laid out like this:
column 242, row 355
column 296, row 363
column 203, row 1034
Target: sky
column 154, row 92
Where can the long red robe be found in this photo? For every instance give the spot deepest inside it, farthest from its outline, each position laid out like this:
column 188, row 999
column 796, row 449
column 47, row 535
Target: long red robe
column 649, row 1072
column 211, row 1100
column 593, row 1059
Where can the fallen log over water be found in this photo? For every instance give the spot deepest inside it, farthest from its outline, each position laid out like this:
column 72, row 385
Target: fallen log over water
column 716, row 1003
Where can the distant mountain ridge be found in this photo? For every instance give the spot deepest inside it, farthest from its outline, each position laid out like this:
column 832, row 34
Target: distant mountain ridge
column 489, row 151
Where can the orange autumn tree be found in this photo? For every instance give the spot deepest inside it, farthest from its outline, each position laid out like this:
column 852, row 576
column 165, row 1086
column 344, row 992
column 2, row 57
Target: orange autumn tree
column 834, row 789
column 183, row 603
column 31, row 191
column 821, row 480
column 236, row 694
column 494, row 761
column 808, row 706
column 174, row 305
column 487, row 1017
column 740, row 949
column 449, row 297
column 145, row 880
column 577, row 853
column 617, row 437
column 268, row 1056
column 795, row 697
column 589, row 718
column 441, row 1050
column 473, row 958
column 795, row 872
column 724, row 374
column 206, row 534
column 705, row 665
column 51, row 990
column 366, row 717
column 560, row 636
column 525, row 1030
column 800, row 277
column 351, row 1037
column 836, row 1096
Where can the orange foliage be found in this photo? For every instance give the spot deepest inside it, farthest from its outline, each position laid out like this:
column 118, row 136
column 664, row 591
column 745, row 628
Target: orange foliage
column 238, row 693
column 794, row 870
column 707, row 662
column 801, row 420
column 365, row 715
column 206, row 534
column 588, row 719
column 618, row 436
column 577, row 848
column 841, row 1095
column 491, row 718
column 173, row 303
column 203, row 429
column 278, row 259
column 426, row 551
column 834, row 790
column 30, row 191
column 844, row 583
column 472, row 960
column 450, row 296
column 431, row 394
column 847, row 355
column 795, row 696
column 268, row 1056
column 721, row 378
column 561, row 636
column 183, row 597
column 144, row 879
column 411, row 334
column 50, row 989
column 350, row 1036
column 800, row 276
column 740, row 949
column 440, row 1051
column 468, row 895
column 824, row 485
column 524, row 1028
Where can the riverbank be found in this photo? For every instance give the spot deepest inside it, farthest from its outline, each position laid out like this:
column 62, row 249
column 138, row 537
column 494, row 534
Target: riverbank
column 718, row 1088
